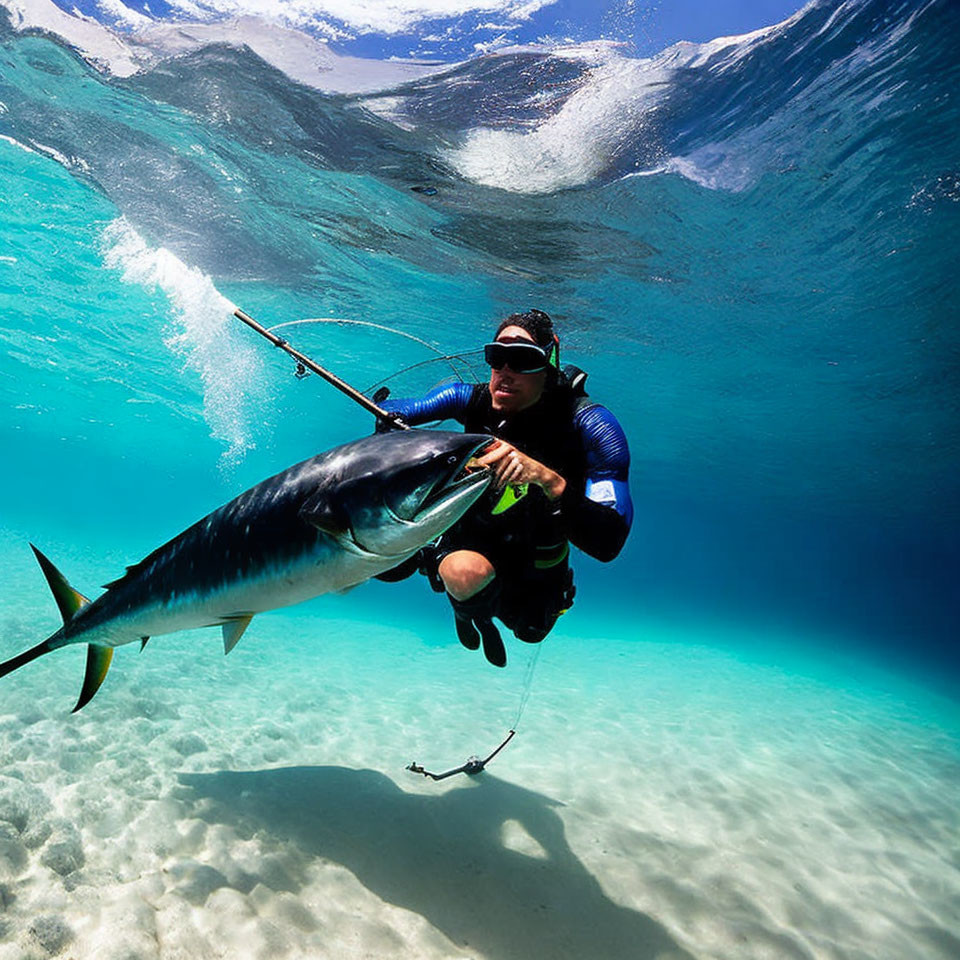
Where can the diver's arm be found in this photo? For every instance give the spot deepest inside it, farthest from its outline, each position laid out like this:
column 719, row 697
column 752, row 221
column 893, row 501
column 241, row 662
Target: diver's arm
column 598, row 517
column 447, row 402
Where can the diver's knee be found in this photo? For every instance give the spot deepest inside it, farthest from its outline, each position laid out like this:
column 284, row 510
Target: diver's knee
column 465, row 573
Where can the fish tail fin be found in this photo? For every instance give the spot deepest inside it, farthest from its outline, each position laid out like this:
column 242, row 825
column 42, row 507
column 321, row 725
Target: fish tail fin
column 69, row 602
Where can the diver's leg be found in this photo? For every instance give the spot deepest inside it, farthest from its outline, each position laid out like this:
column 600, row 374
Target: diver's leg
column 531, row 607
column 473, row 589
column 465, row 573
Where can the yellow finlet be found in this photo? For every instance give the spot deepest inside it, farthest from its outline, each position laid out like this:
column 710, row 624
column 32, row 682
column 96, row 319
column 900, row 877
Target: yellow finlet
column 233, row 631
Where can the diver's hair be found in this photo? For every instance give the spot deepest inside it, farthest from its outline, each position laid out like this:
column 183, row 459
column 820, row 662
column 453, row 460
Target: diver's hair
column 535, row 322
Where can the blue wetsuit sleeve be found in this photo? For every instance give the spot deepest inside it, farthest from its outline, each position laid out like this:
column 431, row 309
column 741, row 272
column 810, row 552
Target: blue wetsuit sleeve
column 447, row 402
column 599, row 516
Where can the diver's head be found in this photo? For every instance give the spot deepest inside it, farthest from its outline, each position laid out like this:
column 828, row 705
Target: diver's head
column 523, row 357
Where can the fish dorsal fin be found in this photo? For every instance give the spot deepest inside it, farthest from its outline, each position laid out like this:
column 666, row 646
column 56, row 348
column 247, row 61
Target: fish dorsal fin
column 98, row 663
column 233, row 630
column 325, row 515
column 69, row 601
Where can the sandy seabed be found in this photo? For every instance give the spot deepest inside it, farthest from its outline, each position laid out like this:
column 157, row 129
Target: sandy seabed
column 663, row 799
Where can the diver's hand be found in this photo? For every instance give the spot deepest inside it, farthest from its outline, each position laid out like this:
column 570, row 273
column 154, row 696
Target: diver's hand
column 393, row 421
column 511, row 466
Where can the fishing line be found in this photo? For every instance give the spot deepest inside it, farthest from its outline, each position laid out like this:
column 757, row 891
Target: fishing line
column 422, row 363
column 304, row 363
column 440, row 355
column 474, row 765
column 527, row 684
column 359, row 323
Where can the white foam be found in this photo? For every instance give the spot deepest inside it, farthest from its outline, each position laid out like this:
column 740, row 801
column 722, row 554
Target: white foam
column 121, row 13
column 302, row 58
column 378, row 16
column 267, row 27
column 573, row 146
column 734, row 48
column 305, row 59
column 16, row 143
column 714, row 167
column 70, row 163
column 609, row 111
column 203, row 333
column 96, row 43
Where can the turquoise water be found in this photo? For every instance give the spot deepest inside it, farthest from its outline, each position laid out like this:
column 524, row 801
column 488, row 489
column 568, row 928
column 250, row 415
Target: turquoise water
column 750, row 712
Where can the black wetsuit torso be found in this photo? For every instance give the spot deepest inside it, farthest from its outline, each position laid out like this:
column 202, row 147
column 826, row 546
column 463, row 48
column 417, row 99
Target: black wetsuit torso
column 530, row 535
column 528, row 544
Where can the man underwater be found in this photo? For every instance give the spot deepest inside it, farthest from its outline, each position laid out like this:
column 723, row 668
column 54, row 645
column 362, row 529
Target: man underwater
column 560, row 474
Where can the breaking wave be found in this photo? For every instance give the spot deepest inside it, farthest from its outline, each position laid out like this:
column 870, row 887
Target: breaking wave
column 202, row 332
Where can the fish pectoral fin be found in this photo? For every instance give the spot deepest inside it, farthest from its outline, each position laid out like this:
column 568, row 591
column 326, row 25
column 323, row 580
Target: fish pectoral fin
column 143, row 643
column 233, row 631
column 98, row 663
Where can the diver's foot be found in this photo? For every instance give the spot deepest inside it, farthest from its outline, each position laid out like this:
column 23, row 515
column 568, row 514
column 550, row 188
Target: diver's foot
column 467, row 633
column 493, row 648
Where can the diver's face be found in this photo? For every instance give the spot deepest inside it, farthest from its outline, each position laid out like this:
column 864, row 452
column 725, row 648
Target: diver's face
column 511, row 391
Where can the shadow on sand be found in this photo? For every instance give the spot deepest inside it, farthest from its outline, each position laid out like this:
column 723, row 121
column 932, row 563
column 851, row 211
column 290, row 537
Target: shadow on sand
column 443, row 857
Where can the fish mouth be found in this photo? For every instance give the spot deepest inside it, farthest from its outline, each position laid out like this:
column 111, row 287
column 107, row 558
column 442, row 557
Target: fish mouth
column 465, row 474
column 423, row 514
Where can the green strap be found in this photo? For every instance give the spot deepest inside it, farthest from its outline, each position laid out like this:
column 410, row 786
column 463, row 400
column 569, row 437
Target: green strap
column 559, row 557
column 511, row 495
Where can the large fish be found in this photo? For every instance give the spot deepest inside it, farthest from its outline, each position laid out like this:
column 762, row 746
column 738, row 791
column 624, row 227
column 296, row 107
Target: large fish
column 323, row 525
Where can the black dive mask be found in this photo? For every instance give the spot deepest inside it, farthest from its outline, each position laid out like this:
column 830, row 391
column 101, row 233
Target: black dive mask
column 520, row 357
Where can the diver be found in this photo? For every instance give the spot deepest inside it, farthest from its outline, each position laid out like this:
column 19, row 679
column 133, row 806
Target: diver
column 559, row 477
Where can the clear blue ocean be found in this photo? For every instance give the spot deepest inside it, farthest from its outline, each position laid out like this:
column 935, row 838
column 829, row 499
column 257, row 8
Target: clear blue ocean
column 742, row 741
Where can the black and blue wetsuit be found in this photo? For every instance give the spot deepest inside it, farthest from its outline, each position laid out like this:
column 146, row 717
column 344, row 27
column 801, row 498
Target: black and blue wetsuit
column 528, row 544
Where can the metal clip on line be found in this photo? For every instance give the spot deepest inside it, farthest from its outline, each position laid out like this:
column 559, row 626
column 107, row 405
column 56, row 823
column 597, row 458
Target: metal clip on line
column 473, row 765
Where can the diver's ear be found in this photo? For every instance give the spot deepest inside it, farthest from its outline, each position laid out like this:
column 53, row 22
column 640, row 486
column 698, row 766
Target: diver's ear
column 321, row 512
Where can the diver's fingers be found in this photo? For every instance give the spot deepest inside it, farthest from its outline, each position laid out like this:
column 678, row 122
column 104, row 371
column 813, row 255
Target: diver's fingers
column 497, row 453
column 512, row 471
column 503, row 470
column 499, row 469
